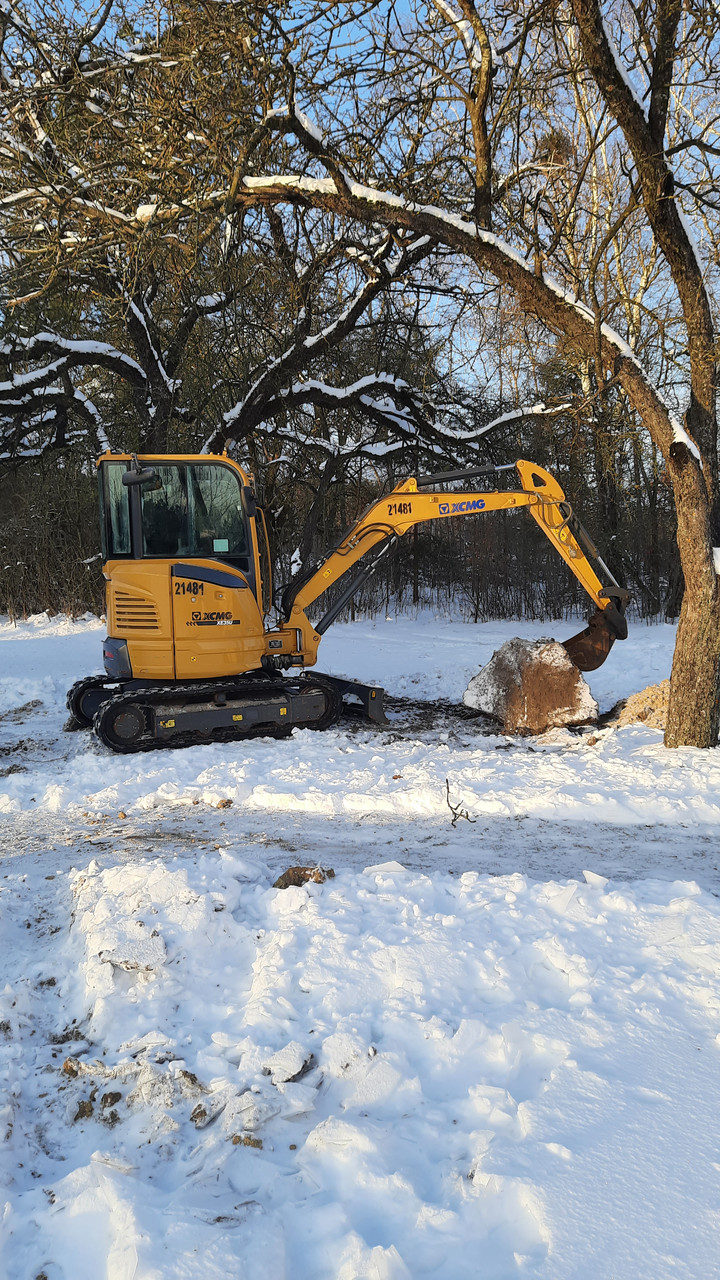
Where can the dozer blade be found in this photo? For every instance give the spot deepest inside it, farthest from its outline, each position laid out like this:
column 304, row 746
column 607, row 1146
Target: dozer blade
column 589, row 648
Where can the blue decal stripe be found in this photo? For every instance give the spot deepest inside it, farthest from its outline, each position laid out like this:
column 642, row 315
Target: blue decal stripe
column 198, row 573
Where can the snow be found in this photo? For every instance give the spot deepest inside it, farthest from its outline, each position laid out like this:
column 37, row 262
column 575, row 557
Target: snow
column 171, row 383
column 622, row 73
column 82, row 347
column 347, row 392
column 716, row 559
column 34, row 376
column 514, row 415
column 680, row 436
column 489, row 1049
column 27, row 193
column 308, row 126
column 465, row 30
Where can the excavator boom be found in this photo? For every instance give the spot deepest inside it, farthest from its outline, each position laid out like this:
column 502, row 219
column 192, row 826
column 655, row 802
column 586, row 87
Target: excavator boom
column 412, row 502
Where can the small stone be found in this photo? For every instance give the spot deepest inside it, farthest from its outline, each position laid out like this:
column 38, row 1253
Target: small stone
column 71, row 1067
column 212, row 1105
column 289, row 1064
column 122, row 813
column 84, row 1111
column 246, row 1140
column 294, row 877
column 110, row 1099
column 189, row 1083
column 225, row 804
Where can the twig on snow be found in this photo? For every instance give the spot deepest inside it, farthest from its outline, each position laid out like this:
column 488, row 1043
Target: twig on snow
column 455, row 809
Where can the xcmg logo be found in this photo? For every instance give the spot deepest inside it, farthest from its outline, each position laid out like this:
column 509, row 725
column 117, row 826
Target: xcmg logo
column 210, row 620
column 461, row 508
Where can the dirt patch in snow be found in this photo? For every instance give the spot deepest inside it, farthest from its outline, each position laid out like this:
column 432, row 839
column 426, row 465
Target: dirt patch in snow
column 649, row 707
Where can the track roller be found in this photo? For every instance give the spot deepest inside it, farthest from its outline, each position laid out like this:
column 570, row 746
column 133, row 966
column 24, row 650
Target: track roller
column 122, row 725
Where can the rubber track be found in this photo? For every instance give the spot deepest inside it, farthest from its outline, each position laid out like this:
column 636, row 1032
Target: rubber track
column 254, row 690
column 75, row 692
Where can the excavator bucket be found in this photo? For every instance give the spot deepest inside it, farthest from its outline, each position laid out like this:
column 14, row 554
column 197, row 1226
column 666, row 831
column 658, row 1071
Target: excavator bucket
column 589, row 648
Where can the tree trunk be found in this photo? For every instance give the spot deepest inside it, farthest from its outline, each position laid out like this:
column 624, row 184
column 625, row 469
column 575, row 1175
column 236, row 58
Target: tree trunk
column 694, row 710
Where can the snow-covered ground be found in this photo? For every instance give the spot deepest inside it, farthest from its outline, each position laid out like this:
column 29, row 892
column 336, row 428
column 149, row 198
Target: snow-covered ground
column 483, row 1050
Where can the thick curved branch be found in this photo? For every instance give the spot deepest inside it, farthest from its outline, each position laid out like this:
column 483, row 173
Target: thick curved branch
column 538, row 294
column 388, row 400
column 657, row 184
column 69, row 354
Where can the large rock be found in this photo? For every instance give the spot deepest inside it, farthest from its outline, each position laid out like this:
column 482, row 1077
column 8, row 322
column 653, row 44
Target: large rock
column 531, row 686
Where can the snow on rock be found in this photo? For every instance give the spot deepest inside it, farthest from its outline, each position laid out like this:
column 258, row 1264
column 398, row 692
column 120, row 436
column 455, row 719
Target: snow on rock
column 288, row 1063
column 531, row 686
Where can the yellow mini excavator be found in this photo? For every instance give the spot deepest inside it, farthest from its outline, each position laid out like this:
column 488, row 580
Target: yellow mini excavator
column 189, row 657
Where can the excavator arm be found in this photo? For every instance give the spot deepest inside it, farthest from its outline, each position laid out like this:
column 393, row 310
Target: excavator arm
column 413, row 502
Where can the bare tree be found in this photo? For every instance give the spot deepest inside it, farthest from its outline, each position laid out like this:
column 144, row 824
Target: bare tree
column 402, row 141
column 689, row 450
column 99, row 134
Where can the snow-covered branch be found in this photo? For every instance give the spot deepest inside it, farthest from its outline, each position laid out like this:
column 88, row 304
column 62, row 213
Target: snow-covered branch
column 537, row 291
column 69, row 354
column 271, row 389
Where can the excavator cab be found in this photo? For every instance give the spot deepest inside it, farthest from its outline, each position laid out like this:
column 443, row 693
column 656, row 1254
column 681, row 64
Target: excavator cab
column 180, row 551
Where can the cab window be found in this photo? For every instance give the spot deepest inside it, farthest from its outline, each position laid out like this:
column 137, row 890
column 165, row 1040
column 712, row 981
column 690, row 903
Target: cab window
column 218, row 517
column 115, row 509
column 165, row 517
column 193, row 510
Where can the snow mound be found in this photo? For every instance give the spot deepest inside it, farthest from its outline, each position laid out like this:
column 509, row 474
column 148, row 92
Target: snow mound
column 387, row 1075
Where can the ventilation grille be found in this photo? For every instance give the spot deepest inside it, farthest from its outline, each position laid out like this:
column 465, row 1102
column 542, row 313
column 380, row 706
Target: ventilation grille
column 135, row 614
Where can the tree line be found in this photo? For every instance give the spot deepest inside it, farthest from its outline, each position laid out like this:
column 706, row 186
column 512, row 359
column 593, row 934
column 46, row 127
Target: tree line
column 358, row 241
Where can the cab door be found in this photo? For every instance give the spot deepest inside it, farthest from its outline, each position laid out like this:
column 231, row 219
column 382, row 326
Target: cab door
column 217, row 624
